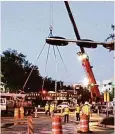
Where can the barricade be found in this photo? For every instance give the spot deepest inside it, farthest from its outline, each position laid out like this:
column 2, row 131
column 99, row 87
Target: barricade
column 30, row 125
column 16, row 116
column 56, row 125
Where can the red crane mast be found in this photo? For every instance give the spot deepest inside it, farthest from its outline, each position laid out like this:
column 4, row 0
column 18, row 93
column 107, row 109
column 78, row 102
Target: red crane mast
column 85, row 60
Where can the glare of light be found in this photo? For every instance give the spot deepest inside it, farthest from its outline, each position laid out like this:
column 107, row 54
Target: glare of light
column 84, row 56
column 85, row 82
column 44, row 92
column 81, row 57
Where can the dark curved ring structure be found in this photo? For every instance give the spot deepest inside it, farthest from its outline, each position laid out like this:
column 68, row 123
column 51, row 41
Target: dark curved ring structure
column 56, row 42
column 86, row 44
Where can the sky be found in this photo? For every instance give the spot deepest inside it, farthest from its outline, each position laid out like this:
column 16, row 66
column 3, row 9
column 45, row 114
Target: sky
column 25, row 26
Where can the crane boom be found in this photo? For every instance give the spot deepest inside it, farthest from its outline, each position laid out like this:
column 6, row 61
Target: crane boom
column 85, row 61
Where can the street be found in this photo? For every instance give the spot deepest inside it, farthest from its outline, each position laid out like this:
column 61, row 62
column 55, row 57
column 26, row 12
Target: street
column 43, row 125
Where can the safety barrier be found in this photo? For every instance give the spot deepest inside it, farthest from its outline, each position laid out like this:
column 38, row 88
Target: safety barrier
column 30, row 125
column 84, row 123
column 56, row 125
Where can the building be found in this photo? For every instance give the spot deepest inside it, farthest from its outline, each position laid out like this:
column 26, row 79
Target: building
column 51, row 95
column 2, row 87
column 106, row 84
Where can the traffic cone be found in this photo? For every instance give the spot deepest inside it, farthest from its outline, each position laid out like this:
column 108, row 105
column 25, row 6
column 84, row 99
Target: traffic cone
column 84, row 124
column 21, row 115
column 16, row 116
column 56, row 125
column 21, row 112
column 30, row 125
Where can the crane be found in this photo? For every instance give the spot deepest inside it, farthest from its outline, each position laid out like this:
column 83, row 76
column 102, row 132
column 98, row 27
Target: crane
column 85, row 60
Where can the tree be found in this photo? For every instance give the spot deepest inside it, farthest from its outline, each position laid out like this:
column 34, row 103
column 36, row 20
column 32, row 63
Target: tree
column 85, row 94
column 12, row 69
column 16, row 69
column 112, row 94
column 112, row 35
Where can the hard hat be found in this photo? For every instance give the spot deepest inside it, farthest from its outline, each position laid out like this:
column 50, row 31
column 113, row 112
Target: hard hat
column 86, row 103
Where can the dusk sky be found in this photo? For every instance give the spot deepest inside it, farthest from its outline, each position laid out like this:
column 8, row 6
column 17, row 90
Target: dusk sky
column 25, row 26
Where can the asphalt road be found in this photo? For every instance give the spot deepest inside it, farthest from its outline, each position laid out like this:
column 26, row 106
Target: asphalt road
column 43, row 125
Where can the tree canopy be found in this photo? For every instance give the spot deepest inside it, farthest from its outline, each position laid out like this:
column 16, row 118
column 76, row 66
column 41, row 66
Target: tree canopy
column 15, row 69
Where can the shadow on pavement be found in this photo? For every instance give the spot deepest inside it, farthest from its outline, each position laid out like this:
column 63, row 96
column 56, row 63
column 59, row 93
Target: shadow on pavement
column 7, row 125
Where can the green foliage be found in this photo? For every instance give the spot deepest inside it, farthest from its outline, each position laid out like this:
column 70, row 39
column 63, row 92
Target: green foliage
column 85, row 94
column 12, row 69
column 112, row 94
column 15, row 69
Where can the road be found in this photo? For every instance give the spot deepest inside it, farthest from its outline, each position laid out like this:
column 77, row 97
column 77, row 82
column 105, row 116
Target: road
column 43, row 125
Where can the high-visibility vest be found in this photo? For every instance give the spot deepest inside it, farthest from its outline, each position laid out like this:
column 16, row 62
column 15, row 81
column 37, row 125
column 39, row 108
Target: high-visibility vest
column 86, row 109
column 66, row 110
column 51, row 108
column 46, row 107
column 77, row 109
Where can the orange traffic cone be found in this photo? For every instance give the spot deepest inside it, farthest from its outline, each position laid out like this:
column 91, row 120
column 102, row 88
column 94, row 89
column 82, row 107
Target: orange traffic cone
column 21, row 112
column 16, row 116
column 30, row 125
column 84, row 123
column 56, row 125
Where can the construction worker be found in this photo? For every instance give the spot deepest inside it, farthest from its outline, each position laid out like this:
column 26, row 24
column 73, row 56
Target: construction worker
column 66, row 114
column 52, row 110
column 86, row 109
column 46, row 108
column 77, row 111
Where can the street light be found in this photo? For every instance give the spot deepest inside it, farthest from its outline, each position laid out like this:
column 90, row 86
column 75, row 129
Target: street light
column 44, row 92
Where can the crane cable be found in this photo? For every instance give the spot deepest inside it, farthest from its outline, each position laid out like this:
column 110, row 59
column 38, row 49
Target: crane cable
column 33, row 66
column 51, row 16
column 56, row 69
column 51, row 29
column 63, row 63
column 45, row 67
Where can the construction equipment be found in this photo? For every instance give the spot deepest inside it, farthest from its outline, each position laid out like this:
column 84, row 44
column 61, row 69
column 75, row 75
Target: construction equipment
column 85, row 61
column 60, row 41
column 83, row 42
